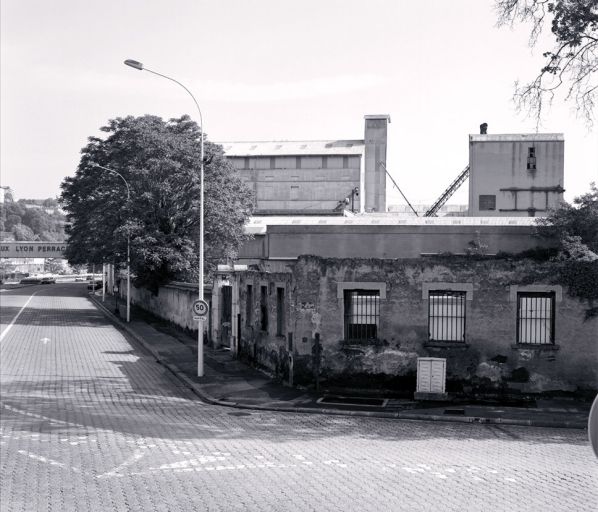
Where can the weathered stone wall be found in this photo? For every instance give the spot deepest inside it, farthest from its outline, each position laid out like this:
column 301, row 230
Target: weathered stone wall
column 172, row 302
column 265, row 347
column 489, row 360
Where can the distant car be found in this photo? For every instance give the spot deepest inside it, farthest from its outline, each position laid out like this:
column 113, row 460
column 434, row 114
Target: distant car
column 48, row 280
column 79, row 279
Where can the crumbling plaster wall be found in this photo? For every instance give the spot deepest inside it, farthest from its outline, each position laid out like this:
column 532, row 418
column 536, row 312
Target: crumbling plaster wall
column 489, row 359
column 265, row 348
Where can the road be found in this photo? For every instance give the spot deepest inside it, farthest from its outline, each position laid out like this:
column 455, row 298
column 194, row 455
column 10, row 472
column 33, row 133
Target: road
column 89, row 421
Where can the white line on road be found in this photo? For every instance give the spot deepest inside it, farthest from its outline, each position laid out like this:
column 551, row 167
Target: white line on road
column 45, row 459
column 5, row 332
column 131, row 460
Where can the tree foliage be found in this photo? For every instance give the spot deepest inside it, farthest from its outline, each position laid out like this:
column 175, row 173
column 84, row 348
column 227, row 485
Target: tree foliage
column 575, row 225
column 32, row 214
column 571, row 64
column 160, row 161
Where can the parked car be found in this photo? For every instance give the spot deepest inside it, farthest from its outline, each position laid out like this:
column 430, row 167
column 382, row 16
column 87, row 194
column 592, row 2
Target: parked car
column 48, row 280
column 31, row 280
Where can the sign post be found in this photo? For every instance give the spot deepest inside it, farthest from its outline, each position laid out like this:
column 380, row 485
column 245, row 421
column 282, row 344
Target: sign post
column 200, row 310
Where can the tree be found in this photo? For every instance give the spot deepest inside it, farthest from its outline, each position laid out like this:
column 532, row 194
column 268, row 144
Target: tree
column 160, row 161
column 577, row 220
column 576, row 227
column 23, row 233
column 571, row 64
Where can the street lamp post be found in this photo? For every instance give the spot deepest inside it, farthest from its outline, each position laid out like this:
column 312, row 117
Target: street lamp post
column 139, row 66
column 128, row 240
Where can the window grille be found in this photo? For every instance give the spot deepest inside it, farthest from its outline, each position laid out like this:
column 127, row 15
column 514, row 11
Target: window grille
column 279, row 311
column 446, row 315
column 362, row 315
column 535, row 317
column 487, row 202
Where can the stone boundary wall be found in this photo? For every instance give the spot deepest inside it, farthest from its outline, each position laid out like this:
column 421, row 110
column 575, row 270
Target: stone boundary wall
column 172, row 302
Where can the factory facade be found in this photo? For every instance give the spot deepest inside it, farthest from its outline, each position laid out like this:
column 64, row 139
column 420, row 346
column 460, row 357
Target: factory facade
column 316, row 177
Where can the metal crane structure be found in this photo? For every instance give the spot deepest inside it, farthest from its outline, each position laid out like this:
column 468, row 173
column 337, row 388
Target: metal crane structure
column 446, row 195
column 395, row 184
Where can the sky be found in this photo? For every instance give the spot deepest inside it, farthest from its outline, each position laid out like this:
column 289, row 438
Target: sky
column 273, row 70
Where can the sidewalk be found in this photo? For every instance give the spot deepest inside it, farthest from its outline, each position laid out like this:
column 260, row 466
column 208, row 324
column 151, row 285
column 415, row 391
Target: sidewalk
column 228, row 382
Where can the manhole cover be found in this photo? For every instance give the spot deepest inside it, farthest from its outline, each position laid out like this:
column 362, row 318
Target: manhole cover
column 353, row 400
column 239, row 413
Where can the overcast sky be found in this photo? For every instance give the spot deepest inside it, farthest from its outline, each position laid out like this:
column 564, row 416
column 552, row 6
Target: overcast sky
column 272, row 70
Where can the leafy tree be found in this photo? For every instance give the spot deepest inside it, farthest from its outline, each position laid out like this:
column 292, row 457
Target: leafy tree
column 53, row 265
column 577, row 220
column 44, row 225
column 160, row 161
column 12, row 220
column 50, row 203
column 571, row 63
column 23, row 233
column 576, row 226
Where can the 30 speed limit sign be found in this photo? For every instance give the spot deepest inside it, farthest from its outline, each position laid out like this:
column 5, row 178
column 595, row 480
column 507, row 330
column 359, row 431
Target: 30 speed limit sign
column 200, row 309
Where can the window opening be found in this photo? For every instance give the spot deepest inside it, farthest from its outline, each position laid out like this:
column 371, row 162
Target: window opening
column 487, row 202
column 535, row 317
column 264, row 308
column 531, row 159
column 279, row 311
column 446, row 315
column 362, row 315
column 249, row 306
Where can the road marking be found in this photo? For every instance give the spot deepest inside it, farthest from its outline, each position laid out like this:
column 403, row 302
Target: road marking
column 45, row 340
column 51, row 462
column 5, row 332
column 131, row 460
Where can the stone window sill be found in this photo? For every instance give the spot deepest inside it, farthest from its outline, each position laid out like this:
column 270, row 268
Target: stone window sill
column 446, row 344
column 534, row 346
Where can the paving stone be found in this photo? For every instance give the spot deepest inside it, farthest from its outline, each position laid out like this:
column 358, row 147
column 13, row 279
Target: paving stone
column 90, row 421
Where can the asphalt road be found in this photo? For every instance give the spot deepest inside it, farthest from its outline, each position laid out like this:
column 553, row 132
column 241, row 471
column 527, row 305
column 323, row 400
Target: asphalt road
column 89, row 421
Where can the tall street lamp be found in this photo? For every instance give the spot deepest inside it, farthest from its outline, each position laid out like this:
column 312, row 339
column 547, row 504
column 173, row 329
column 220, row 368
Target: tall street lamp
column 139, row 66
column 128, row 240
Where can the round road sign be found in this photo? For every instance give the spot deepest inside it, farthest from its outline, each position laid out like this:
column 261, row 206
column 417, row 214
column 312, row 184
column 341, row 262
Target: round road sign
column 200, row 307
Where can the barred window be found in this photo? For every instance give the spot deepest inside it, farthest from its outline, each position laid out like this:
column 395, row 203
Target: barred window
column 487, row 202
column 446, row 315
column 362, row 315
column 535, row 317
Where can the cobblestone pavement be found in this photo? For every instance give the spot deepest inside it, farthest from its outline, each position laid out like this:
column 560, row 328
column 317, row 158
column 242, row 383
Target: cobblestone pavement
column 91, row 422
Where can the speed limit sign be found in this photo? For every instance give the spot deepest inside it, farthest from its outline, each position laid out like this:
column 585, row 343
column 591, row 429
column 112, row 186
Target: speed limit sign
column 200, row 308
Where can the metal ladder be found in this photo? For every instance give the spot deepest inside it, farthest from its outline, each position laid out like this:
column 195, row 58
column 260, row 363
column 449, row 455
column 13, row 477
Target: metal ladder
column 446, row 195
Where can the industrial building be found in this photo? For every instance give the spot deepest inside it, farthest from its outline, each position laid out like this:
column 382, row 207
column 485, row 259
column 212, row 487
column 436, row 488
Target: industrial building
column 316, row 177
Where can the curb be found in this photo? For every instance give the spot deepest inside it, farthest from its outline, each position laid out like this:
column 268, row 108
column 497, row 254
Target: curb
column 413, row 416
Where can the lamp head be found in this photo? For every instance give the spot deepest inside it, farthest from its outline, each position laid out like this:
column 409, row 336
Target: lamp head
column 134, row 64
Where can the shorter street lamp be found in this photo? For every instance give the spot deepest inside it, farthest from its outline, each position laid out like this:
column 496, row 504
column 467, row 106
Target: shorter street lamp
column 128, row 247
